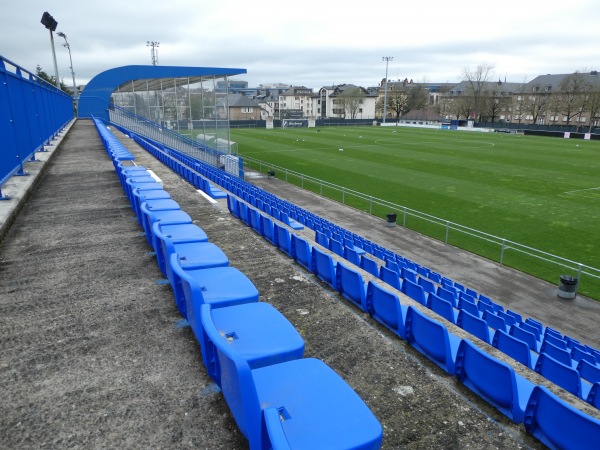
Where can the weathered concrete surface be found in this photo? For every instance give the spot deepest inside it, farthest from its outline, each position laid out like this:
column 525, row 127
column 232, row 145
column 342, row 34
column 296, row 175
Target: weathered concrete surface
column 94, row 353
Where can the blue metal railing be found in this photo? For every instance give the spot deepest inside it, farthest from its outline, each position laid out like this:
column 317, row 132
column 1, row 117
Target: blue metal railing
column 32, row 113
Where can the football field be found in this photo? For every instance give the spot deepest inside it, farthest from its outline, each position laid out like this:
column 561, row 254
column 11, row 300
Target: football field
column 540, row 192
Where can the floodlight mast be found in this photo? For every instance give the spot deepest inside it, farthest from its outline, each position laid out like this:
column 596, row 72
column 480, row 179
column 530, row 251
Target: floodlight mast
column 66, row 44
column 387, row 59
column 153, row 51
column 51, row 24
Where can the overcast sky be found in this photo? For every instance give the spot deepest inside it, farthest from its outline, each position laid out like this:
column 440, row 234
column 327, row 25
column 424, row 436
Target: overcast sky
column 311, row 43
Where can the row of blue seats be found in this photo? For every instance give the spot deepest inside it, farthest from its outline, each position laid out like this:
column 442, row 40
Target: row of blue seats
column 300, row 250
column 459, row 296
column 482, row 318
column 492, row 379
column 251, row 351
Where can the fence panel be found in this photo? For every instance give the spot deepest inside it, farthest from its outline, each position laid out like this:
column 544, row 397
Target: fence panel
column 32, row 112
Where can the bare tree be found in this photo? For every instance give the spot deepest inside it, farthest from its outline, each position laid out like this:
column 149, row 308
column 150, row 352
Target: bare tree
column 572, row 95
column 594, row 103
column 397, row 102
column 350, row 100
column 476, row 84
column 417, row 98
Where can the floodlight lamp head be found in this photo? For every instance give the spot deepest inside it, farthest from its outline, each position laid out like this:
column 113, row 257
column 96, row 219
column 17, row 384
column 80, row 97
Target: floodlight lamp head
column 61, row 34
column 49, row 22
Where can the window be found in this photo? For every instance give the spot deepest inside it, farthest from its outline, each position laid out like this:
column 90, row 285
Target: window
column 581, row 119
column 540, row 121
column 246, row 109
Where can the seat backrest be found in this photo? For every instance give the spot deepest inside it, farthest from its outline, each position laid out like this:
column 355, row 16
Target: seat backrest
column 588, row 371
column 369, row 265
column 564, row 376
column 385, row 307
column 321, row 239
column 429, row 337
column 494, row 321
column 282, row 236
column 489, row 377
column 558, row 424
column 324, row 267
column 427, row 285
column 517, row 316
column 549, row 337
column 508, row 319
column 513, row 347
column 410, row 275
column 237, row 383
column 577, row 354
column 302, row 251
column 414, row 291
column 474, row 325
column 336, row 247
column 524, row 336
column 556, row 352
column 352, row 256
column 390, row 277
column 267, row 229
column 532, row 329
column 442, row 307
column 447, row 294
column 351, row 285
column 465, row 304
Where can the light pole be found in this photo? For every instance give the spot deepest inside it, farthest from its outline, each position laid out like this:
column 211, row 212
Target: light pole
column 153, row 51
column 66, row 44
column 51, row 24
column 387, row 59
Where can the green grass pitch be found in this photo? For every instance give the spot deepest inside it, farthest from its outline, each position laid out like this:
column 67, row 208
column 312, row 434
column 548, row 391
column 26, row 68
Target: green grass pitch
column 540, row 192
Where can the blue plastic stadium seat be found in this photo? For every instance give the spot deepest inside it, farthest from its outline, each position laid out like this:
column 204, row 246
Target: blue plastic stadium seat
column 474, row 325
column 153, row 212
column 254, row 220
column 442, row 307
column 140, row 197
column 385, row 307
column 409, row 275
column 293, row 224
column 532, row 329
column 174, row 234
column 268, row 232
column 448, row 295
column 557, row 353
column 577, row 354
column 414, row 291
column 283, row 238
column 351, row 285
column 217, row 286
column 321, row 239
column 427, row 285
column 465, row 304
column 517, row 316
column 302, row 252
column 515, row 348
column 192, row 255
column 260, row 333
column 525, row 336
column 390, row 277
column 369, row 265
column 508, row 319
column 536, row 324
column 324, row 267
column 274, row 406
column 243, row 210
column 588, row 371
column 553, row 339
column 472, row 293
column 562, row 375
column 432, row 339
column 494, row 321
column 336, row 247
column 494, row 380
column 557, row 424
